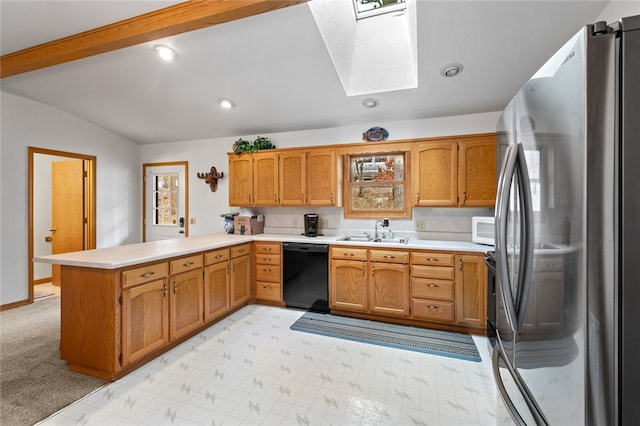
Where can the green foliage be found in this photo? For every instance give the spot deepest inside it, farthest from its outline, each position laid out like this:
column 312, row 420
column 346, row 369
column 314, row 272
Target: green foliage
column 243, row 145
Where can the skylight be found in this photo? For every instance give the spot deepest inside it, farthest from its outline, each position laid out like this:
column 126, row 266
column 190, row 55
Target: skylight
column 369, row 8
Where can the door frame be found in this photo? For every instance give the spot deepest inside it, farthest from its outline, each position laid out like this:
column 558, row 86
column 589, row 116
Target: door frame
column 186, row 194
column 90, row 201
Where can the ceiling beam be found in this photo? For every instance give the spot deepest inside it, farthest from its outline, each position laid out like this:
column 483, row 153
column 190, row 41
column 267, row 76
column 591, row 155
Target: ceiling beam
column 166, row 22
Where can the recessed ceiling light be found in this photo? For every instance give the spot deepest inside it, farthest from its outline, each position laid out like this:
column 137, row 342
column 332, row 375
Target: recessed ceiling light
column 370, row 103
column 451, row 70
column 226, row 103
column 165, row 52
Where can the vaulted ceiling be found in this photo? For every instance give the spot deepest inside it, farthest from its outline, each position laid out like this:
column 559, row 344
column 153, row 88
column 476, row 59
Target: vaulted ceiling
column 276, row 68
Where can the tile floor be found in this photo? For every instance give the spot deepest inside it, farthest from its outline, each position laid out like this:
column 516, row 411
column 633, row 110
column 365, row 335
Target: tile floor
column 251, row 369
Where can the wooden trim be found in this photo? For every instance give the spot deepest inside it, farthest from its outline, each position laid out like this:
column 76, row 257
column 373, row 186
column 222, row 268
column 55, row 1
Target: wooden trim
column 42, row 281
column 166, row 22
column 16, row 304
column 90, row 199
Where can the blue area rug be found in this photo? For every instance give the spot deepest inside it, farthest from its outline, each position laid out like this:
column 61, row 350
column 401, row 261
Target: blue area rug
column 445, row 343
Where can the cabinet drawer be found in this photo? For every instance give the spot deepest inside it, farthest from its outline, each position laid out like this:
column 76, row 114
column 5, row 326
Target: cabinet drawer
column 270, row 273
column 437, row 272
column 550, row 263
column 216, row 256
column 267, row 248
column 268, row 259
column 144, row 274
column 240, row 250
column 185, row 264
column 432, row 258
column 348, row 253
column 389, row 256
column 268, row 291
column 422, row 288
column 432, row 310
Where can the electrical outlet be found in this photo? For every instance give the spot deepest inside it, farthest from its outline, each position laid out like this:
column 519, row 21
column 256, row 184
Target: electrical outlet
column 192, row 221
column 420, row 225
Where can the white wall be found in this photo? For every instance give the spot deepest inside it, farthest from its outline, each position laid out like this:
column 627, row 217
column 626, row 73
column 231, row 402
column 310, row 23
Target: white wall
column 27, row 123
column 206, row 206
column 615, row 9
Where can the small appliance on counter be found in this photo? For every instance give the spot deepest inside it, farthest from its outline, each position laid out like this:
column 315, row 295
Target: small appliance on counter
column 311, row 225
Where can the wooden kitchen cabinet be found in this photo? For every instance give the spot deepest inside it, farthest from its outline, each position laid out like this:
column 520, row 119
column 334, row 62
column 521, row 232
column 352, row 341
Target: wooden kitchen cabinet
column 186, row 300
column 348, row 279
column 145, row 311
column 240, row 180
column 432, row 286
column 241, row 277
column 265, row 179
column 457, row 171
column 292, row 178
column 321, row 177
column 471, row 290
column 217, row 284
column 268, row 271
column 389, row 282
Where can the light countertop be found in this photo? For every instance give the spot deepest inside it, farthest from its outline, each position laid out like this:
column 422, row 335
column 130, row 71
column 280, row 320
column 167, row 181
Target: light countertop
column 135, row 254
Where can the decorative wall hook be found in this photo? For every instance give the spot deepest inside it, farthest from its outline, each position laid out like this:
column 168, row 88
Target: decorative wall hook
column 212, row 178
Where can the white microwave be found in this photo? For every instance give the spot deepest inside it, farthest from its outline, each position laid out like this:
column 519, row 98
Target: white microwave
column 483, row 230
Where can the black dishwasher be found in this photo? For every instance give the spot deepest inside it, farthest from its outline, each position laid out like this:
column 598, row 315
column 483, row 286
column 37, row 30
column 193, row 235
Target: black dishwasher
column 306, row 276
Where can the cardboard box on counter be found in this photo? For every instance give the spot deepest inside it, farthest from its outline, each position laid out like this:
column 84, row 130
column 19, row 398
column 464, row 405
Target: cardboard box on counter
column 250, row 224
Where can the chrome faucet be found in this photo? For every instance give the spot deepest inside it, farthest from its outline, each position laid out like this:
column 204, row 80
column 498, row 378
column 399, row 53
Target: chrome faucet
column 384, row 223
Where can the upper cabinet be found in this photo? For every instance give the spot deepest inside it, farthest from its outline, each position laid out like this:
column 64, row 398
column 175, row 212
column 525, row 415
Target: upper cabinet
column 283, row 178
column 457, row 171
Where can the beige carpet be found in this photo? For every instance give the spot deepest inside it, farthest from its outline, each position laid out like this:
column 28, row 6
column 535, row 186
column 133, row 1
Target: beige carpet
column 34, row 382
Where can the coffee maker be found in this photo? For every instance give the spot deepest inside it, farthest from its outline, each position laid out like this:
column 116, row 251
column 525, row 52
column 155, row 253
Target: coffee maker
column 311, row 225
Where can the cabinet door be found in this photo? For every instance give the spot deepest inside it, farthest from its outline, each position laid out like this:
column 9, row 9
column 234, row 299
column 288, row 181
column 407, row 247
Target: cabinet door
column 216, row 290
column 348, row 285
column 186, row 302
column 389, row 289
column 240, row 180
column 321, row 177
column 477, row 172
column 471, row 291
column 292, row 178
column 145, row 319
column 435, row 177
column 265, row 179
column 240, row 280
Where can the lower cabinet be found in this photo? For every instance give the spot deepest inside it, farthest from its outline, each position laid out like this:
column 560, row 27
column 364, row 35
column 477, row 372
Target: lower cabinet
column 217, row 284
column 145, row 319
column 268, row 271
column 471, row 291
column 348, row 279
column 186, row 307
column 241, row 277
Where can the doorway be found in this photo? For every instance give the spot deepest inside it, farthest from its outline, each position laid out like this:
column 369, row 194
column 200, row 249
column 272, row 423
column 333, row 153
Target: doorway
column 165, row 200
column 59, row 183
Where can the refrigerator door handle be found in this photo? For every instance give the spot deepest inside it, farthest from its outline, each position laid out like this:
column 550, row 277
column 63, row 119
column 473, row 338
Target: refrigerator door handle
column 526, row 246
column 505, row 180
column 534, row 408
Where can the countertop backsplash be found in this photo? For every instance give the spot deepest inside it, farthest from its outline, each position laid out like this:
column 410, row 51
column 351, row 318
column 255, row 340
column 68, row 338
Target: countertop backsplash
column 447, row 224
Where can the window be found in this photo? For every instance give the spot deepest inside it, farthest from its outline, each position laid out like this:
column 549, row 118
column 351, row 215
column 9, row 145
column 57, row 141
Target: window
column 375, row 185
column 368, row 8
column 165, row 199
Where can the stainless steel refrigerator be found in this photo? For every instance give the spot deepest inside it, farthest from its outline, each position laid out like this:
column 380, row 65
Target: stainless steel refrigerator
column 567, row 222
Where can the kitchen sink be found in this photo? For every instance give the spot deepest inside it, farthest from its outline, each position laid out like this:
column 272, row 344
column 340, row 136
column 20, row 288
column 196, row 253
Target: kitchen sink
column 367, row 239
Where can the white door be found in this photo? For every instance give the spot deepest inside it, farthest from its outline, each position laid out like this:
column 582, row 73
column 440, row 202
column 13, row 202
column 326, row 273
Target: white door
column 165, row 204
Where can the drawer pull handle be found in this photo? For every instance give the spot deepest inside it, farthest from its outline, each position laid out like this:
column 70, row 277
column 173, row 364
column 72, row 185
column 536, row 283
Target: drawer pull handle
column 165, row 289
column 147, row 275
column 175, row 287
column 267, row 249
column 387, row 256
column 434, row 307
column 550, row 264
column 267, row 259
column 267, row 287
column 241, row 251
column 187, row 264
column 432, row 259
column 349, row 254
column 218, row 256
column 433, row 285
column 266, row 270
